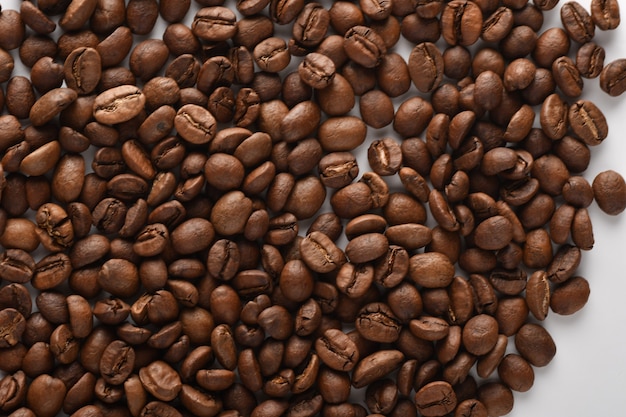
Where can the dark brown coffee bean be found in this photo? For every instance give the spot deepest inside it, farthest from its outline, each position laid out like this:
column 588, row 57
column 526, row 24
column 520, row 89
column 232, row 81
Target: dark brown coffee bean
column 311, row 25
column 497, row 25
column 364, row 46
column 577, row 22
column 605, row 14
column 214, row 24
column 127, row 281
column 588, row 122
column 393, row 75
column 16, row 266
column 320, row 253
column 195, row 124
column 317, row 70
column 82, row 70
column 375, row 366
column 351, row 129
column 567, row 76
column 51, row 104
column 117, row 362
column 609, row 191
column 271, row 54
column 377, row 322
column 611, row 78
column 569, row 297
column 56, row 393
column 337, row 350
column 431, row 270
column 435, row 398
column 496, row 397
column 564, row 263
column 425, row 66
column 376, row 109
column 366, row 247
column 160, row 380
column 543, row 347
column 582, row 230
column 461, row 23
column 429, row 328
column 118, row 104
column 538, row 294
column 590, row 60
column 51, row 271
column 480, row 334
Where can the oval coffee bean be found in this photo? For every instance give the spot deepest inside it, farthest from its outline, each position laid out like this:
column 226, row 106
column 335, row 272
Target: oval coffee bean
column 613, row 78
column 337, row 350
column 118, row 104
column 195, row 124
column 535, row 344
column 435, row 399
column 51, row 104
column 426, row 67
column 375, row 367
column 609, row 189
column 569, row 297
column 377, row 322
column 320, row 253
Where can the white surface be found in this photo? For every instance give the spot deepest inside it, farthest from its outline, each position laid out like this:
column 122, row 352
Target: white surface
column 586, row 378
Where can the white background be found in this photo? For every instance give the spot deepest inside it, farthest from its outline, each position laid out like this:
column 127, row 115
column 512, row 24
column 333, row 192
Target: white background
column 586, row 378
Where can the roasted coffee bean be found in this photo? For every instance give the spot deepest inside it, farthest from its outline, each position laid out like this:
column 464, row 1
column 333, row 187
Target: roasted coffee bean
column 435, row 398
column 271, row 54
column 577, row 22
column 588, row 122
column 543, row 349
column 609, row 192
column 496, row 397
column 316, row 70
column 364, row 46
column 118, row 104
column 611, row 78
column 590, row 60
column 195, row 124
column 605, row 14
column 393, row 75
column 214, row 24
column 461, row 23
column 160, row 380
column 337, row 350
column 375, row 366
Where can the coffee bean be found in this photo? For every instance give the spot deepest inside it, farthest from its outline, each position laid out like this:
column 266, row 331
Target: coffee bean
column 51, row 104
column 544, row 348
column 364, row 46
column 577, row 22
column 375, row 366
column 496, row 397
column 426, row 63
column 461, row 23
column 590, row 60
column 605, row 14
column 611, row 77
column 118, row 104
column 608, row 189
column 588, row 122
column 435, row 398
column 569, row 297
column 160, row 380
column 317, row 70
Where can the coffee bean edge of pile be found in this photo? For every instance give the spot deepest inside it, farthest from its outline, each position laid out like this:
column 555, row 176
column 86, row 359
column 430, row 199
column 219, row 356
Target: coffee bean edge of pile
column 155, row 188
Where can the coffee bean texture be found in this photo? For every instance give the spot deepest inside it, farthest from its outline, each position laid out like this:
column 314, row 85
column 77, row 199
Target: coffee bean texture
column 284, row 208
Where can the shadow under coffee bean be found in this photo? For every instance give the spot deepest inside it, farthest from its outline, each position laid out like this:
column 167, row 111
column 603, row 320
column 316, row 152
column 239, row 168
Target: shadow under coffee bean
column 156, row 209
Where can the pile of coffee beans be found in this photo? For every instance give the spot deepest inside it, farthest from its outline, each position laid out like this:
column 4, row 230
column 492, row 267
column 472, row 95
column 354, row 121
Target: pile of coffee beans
column 187, row 227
